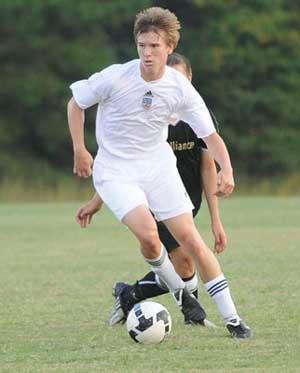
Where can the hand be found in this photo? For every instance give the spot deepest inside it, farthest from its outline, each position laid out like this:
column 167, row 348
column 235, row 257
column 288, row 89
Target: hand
column 220, row 237
column 83, row 162
column 85, row 213
column 225, row 183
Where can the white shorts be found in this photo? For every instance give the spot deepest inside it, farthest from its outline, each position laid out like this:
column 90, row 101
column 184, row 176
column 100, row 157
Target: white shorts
column 156, row 183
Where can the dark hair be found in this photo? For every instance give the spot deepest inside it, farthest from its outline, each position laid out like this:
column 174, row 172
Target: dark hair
column 179, row 59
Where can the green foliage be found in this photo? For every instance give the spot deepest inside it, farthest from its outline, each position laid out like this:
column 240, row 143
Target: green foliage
column 249, row 71
column 245, row 59
column 51, row 44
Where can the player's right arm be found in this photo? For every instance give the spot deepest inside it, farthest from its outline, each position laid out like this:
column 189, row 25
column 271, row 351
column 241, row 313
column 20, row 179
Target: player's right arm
column 83, row 160
column 86, row 93
column 85, row 213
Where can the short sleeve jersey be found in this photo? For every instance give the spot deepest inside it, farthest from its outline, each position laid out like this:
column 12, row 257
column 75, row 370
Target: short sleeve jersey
column 133, row 114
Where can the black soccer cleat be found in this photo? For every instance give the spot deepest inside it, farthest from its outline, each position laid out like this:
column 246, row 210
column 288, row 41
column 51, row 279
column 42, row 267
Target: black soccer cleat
column 119, row 313
column 238, row 329
column 118, row 287
column 192, row 310
column 126, row 298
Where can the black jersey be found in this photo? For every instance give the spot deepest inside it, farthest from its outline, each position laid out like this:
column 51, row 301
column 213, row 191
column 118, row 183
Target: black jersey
column 187, row 148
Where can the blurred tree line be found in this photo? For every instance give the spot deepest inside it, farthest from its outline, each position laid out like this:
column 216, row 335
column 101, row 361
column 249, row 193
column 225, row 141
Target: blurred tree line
column 245, row 58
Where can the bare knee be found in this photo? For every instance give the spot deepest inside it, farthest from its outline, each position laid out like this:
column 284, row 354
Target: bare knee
column 142, row 224
column 189, row 238
column 193, row 243
column 150, row 244
column 183, row 262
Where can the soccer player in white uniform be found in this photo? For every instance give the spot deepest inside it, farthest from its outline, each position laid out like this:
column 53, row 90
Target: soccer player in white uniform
column 135, row 169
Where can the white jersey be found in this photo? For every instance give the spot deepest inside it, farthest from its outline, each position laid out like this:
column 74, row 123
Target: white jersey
column 133, row 115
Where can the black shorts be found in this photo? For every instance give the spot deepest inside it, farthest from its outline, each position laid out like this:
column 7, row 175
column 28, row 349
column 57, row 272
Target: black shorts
column 165, row 236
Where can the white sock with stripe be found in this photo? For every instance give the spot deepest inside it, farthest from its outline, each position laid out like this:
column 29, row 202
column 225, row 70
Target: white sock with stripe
column 218, row 289
column 164, row 269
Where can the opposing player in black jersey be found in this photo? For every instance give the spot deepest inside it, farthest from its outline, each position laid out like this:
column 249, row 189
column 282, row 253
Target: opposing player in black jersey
column 198, row 172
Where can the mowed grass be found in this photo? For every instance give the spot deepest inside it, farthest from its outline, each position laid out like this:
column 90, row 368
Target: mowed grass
column 56, row 284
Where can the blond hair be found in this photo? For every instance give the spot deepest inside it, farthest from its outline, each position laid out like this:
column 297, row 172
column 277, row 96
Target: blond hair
column 158, row 19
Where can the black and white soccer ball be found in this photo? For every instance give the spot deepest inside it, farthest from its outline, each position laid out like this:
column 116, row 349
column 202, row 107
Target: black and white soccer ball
column 149, row 323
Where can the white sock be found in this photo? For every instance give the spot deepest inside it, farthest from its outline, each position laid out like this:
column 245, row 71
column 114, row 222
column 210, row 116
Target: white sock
column 218, row 289
column 164, row 269
column 192, row 284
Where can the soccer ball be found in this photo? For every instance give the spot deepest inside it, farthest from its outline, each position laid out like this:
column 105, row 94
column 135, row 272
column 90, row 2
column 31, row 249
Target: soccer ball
column 149, row 323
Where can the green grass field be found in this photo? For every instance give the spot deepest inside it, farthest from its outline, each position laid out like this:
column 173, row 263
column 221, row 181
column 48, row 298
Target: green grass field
column 56, row 284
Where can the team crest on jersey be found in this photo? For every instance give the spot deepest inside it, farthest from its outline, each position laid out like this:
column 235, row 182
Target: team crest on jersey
column 147, row 100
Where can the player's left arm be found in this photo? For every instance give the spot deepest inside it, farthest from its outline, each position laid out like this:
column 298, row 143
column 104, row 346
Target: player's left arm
column 218, row 150
column 209, row 181
column 193, row 110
